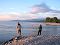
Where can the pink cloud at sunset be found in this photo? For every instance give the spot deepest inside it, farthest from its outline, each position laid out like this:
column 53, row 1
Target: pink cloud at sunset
column 42, row 8
column 37, row 11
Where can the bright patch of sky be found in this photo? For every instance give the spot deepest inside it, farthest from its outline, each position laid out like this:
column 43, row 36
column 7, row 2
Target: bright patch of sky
column 23, row 8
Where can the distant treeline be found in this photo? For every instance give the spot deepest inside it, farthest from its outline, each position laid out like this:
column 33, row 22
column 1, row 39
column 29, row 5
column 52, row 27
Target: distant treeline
column 54, row 20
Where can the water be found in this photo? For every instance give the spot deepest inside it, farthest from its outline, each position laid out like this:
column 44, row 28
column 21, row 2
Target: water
column 8, row 29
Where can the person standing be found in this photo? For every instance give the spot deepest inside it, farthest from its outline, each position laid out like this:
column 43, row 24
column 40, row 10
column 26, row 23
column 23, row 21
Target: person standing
column 40, row 29
column 18, row 28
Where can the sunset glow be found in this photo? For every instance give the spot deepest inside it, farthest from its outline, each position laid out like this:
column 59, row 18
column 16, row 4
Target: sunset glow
column 10, row 10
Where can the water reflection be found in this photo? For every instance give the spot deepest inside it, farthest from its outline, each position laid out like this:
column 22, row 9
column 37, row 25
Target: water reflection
column 52, row 30
column 8, row 29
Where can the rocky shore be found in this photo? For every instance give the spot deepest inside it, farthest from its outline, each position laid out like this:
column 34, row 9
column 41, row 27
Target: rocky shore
column 34, row 40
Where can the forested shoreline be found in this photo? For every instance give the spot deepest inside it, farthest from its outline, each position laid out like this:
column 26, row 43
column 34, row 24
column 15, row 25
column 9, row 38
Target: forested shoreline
column 52, row 20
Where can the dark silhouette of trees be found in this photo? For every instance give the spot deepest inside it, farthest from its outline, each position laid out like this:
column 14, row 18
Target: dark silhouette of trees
column 48, row 19
column 54, row 20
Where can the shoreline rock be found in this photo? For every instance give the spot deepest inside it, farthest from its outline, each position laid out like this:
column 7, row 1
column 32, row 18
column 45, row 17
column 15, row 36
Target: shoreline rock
column 36, row 40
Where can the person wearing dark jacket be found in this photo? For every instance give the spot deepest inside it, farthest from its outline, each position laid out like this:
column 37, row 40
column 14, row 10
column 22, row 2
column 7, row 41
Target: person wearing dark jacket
column 40, row 29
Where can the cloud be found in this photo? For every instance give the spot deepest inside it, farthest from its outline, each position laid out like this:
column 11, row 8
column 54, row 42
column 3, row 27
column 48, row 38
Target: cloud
column 55, row 11
column 38, row 11
column 16, row 15
column 9, row 15
column 26, row 16
column 5, row 17
column 42, row 8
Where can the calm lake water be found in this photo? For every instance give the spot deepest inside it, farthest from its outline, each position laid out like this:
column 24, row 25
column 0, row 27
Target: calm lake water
column 8, row 29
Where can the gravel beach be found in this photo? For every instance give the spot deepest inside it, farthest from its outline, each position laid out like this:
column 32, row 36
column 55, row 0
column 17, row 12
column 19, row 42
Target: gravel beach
column 35, row 40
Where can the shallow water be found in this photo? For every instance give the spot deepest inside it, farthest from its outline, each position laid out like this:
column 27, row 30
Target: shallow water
column 8, row 29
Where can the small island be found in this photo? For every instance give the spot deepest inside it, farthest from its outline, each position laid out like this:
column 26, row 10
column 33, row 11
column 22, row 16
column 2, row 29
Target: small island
column 52, row 21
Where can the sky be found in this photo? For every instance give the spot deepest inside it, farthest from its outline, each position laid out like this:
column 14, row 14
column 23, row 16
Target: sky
column 28, row 9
